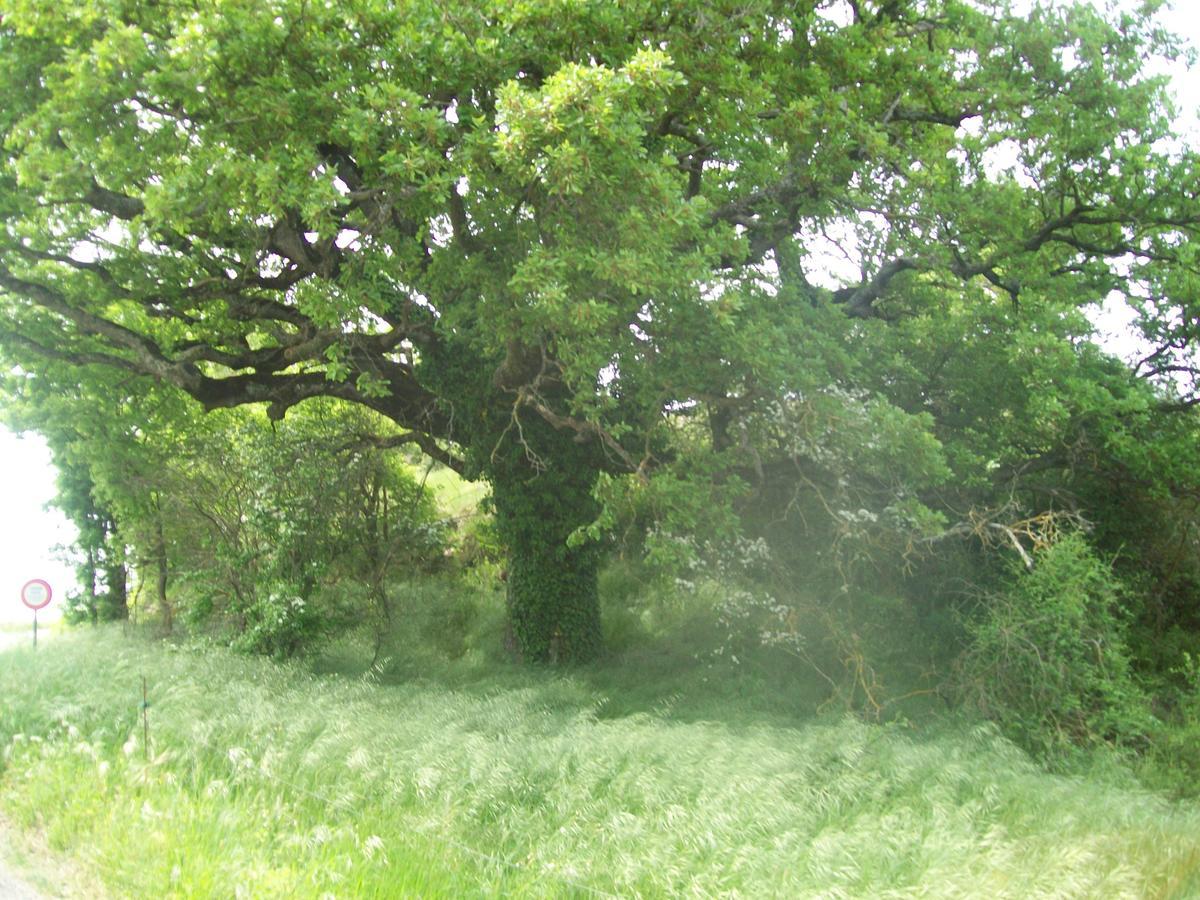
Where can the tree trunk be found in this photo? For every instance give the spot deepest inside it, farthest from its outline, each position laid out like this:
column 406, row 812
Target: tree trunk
column 116, row 600
column 90, row 604
column 553, row 602
column 160, row 559
column 542, row 479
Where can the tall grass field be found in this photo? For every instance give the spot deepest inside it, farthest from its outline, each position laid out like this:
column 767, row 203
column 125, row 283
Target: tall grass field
column 267, row 780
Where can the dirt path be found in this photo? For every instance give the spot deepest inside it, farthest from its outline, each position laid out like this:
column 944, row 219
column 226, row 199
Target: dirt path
column 12, row 888
column 30, row 870
column 12, row 885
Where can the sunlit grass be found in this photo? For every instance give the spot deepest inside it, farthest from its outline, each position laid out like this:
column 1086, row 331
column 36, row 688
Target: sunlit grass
column 456, row 497
column 267, row 781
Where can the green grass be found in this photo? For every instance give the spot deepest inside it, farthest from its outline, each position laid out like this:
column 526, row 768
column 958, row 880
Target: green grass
column 457, row 498
column 268, row 781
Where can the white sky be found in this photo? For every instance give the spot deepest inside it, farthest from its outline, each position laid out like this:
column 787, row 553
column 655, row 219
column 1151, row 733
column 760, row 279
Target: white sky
column 29, row 532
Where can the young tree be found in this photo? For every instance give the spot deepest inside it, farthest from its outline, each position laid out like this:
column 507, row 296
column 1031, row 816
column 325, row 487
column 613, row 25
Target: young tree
column 540, row 235
column 228, row 518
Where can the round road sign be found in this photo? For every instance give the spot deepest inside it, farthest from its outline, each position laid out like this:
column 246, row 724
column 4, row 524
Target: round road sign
column 36, row 593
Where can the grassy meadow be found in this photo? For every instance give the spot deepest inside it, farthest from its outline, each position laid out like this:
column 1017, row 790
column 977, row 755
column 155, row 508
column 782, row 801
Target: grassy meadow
column 443, row 773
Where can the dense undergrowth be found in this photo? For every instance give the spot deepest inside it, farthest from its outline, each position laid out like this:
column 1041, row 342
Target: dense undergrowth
column 441, row 770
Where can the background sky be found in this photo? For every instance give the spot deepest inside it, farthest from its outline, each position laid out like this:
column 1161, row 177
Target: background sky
column 30, row 533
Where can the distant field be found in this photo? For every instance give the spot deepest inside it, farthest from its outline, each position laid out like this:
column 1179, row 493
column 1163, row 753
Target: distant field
column 267, row 781
column 456, row 497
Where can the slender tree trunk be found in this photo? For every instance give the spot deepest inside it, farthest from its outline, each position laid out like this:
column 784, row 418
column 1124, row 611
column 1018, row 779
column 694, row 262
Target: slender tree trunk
column 116, row 601
column 89, row 587
column 160, row 558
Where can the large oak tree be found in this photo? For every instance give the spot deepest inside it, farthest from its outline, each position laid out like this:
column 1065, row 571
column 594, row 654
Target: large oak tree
column 538, row 234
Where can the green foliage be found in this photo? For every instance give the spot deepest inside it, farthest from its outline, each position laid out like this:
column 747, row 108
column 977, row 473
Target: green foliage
column 296, row 528
column 1172, row 760
column 278, row 623
column 266, row 531
column 597, row 250
column 441, row 627
column 1048, row 657
column 588, row 253
column 479, row 546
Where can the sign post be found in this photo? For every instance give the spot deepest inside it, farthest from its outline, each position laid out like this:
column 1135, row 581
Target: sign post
column 36, row 595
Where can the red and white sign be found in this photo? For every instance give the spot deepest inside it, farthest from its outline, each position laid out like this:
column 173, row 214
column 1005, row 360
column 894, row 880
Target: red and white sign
column 36, row 593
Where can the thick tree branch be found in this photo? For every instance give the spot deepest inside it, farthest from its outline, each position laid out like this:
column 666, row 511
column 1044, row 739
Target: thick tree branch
column 860, row 299
column 930, row 116
column 148, row 356
column 428, row 446
column 118, row 205
column 270, row 379
column 71, row 356
column 459, row 222
column 583, row 430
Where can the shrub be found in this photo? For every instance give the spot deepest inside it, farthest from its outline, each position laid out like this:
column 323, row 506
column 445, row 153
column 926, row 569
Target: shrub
column 1172, row 761
column 279, row 622
column 1047, row 656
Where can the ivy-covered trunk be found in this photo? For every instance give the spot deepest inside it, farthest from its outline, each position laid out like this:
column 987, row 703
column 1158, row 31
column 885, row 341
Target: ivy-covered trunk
column 542, row 478
column 553, row 602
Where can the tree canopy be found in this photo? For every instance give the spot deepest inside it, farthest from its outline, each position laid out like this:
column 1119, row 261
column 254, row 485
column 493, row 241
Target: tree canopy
column 588, row 250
